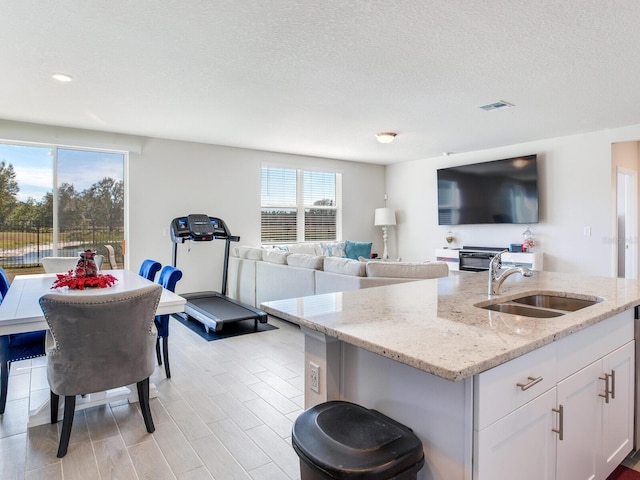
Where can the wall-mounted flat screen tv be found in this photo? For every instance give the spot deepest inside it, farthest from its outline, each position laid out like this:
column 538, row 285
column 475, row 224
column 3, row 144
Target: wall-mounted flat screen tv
column 500, row 191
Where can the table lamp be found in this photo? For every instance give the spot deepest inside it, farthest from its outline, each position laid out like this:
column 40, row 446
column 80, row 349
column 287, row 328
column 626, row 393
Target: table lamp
column 383, row 218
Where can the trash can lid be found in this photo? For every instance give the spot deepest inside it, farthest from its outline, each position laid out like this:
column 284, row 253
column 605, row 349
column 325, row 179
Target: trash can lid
column 348, row 441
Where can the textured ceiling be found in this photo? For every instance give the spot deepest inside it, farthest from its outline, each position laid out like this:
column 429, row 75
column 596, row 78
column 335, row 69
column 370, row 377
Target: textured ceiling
column 322, row 77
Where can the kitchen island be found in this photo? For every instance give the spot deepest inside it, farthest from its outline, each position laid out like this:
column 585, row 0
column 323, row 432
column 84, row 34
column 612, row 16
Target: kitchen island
column 427, row 354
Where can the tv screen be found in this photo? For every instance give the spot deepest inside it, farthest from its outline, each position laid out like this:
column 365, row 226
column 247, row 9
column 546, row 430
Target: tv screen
column 501, row 191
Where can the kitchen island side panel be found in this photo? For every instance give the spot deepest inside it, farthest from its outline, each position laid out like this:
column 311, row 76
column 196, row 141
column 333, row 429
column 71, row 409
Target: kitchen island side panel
column 438, row 411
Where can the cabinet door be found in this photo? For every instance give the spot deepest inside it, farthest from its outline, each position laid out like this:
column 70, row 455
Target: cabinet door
column 579, row 448
column 617, row 415
column 520, row 445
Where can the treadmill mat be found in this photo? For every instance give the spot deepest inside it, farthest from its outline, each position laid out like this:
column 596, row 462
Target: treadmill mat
column 220, row 308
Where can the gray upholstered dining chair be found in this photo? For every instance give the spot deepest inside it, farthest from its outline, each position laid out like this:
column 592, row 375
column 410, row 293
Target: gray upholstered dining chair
column 96, row 343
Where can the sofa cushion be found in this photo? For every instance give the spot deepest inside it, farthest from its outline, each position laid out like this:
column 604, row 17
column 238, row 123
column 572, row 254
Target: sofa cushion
column 250, row 253
column 308, row 248
column 355, row 250
column 333, row 249
column 345, row 266
column 304, row 260
column 275, row 256
column 406, row 269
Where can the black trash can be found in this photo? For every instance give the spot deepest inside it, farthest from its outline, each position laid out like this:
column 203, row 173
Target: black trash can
column 342, row 440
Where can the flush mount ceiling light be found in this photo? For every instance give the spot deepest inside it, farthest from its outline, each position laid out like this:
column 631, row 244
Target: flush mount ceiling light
column 386, row 137
column 62, row 77
column 499, row 105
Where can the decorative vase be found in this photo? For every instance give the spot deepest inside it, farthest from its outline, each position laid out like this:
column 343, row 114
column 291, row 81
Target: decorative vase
column 527, row 243
column 450, row 238
column 86, row 266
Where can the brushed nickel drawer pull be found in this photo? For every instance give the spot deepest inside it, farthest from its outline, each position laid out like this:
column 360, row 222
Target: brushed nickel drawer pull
column 532, row 382
column 606, row 393
column 560, row 429
column 613, row 384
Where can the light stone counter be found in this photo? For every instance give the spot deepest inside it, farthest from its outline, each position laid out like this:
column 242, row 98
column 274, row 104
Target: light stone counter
column 433, row 325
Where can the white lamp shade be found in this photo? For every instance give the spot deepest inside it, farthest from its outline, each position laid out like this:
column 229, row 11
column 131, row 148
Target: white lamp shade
column 385, row 216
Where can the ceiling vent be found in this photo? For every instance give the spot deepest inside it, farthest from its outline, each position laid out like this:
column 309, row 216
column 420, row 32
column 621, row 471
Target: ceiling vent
column 499, row 105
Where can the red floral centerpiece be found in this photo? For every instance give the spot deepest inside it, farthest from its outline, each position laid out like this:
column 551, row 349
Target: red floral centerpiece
column 71, row 280
column 85, row 275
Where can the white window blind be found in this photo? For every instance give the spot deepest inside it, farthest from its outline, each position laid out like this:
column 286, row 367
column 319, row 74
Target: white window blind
column 300, row 205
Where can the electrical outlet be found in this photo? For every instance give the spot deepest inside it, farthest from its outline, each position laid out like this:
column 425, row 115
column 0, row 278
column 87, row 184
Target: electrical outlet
column 314, row 377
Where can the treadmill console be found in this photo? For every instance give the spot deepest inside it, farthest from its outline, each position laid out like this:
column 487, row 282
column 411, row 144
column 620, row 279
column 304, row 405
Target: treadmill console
column 199, row 228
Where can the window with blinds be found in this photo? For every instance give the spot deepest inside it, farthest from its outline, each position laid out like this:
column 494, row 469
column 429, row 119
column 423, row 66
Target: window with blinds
column 300, row 205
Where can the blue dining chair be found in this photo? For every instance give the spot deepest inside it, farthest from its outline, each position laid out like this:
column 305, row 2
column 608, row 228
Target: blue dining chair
column 14, row 347
column 149, row 268
column 169, row 276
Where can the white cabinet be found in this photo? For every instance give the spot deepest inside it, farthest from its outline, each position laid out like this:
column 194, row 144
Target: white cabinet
column 618, row 414
column 579, row 424
column 598, row 417
column 569, row 416
column 521, row 445
column 532, row 260
column 452, row 257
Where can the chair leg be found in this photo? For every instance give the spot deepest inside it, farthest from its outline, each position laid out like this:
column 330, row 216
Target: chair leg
column 143, row 397
column 165, row 353
column 67, row 423
column 158, row 351
column 54, row 401
column 4, row 383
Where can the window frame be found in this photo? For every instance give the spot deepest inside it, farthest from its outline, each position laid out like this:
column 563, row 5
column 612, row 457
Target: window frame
column 300, row 207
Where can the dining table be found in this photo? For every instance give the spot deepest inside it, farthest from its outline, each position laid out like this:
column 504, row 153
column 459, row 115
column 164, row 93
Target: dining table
column 20, row 312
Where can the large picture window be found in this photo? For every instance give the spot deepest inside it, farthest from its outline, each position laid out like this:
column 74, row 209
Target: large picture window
column 58, row 201
column 300, row 205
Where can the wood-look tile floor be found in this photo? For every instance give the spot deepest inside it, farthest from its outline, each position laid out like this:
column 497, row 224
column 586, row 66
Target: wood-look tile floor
column 225, row 414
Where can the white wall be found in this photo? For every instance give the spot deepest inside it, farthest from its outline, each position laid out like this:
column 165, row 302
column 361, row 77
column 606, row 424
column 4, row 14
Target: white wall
column 575, row 192
column 167, row 179
column 171, row 179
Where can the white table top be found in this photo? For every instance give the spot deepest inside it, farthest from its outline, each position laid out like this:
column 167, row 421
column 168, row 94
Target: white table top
column 21, row 312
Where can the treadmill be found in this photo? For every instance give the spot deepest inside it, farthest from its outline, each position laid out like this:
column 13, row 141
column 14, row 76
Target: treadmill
column 212, row 309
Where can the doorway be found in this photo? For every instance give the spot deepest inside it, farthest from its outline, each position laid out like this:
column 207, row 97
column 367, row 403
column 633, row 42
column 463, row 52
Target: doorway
column 627, row 233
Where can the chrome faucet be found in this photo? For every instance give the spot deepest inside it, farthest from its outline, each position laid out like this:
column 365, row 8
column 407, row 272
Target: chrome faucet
column 497, row 276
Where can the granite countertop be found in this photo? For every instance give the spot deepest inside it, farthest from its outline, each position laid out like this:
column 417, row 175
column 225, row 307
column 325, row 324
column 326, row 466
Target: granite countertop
column 434, row 326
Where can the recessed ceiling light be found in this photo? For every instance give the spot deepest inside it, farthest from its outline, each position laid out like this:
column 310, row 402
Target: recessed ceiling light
column 386, row 137
column 62, row 77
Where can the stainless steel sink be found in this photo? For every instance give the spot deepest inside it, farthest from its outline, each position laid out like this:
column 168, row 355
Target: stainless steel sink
column 567, row 304
column 541, row 305
column 523, row 311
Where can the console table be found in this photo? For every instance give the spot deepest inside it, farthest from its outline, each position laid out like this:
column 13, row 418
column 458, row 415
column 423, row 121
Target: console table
column 532, row 260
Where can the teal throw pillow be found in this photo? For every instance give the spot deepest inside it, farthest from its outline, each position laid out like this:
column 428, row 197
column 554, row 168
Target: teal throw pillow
column 358, row 249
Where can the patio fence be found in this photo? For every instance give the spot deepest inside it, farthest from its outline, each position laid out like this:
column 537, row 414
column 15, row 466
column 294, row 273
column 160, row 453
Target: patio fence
column 23, row 246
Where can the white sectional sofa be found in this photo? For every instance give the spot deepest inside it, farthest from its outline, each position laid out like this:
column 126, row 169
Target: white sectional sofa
column 258, row 275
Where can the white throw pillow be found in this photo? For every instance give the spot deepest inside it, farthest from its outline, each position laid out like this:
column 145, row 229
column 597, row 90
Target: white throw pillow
column 275, row 256
column 334, row 249
column 308, row 248
column 250, row 253
column 305, row 261
column 345, row 266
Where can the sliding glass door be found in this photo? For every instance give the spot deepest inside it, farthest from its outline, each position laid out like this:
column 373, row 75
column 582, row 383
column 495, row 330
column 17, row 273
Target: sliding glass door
column 58, row 201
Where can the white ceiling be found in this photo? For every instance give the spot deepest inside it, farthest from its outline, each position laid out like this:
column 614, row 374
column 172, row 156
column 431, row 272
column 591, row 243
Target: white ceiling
column 321, row 77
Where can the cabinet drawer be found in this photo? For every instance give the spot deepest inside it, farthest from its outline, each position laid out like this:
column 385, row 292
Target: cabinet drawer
column 497, row 393
column 590, row 344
